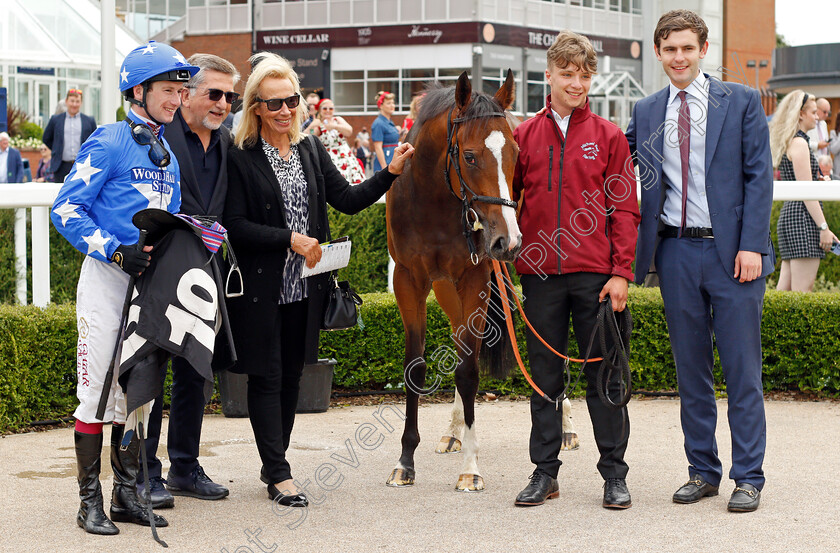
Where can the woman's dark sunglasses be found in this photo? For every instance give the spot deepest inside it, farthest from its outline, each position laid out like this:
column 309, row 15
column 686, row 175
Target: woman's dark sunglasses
column 144, row 136
column 275, row 104
column 214, row 94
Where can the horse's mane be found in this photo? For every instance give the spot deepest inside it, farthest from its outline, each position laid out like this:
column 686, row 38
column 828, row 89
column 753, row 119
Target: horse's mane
column 440, row 98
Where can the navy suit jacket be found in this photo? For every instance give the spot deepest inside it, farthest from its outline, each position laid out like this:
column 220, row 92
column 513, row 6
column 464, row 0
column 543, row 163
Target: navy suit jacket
column 14, row 166
column 739, row 173
column 54, row 136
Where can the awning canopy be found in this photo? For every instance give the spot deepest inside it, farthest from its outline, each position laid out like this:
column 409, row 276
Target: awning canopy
column 57, row 33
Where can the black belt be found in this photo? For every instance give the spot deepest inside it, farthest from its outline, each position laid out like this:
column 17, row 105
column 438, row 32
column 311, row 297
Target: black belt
column 692, row 232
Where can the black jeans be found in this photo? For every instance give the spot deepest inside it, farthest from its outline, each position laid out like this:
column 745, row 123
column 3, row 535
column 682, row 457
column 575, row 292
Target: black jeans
column 552, row 300
column 273, row 396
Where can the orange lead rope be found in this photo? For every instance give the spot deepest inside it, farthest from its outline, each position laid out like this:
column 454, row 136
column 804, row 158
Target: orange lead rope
column 497, row 271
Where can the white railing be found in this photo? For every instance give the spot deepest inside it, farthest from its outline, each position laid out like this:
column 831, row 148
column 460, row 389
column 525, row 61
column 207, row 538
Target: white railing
column 40, row 197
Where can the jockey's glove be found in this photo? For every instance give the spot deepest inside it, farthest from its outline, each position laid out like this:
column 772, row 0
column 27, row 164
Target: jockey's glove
column 131, row 259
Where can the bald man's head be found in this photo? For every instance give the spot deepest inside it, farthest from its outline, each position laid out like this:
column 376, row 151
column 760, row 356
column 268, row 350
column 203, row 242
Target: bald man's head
column 823, row 109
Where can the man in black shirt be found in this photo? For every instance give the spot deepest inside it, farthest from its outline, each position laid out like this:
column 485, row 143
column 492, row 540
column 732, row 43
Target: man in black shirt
column 200, row 142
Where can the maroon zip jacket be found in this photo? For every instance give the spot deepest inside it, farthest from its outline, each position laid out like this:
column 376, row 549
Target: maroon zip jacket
column 579, row 209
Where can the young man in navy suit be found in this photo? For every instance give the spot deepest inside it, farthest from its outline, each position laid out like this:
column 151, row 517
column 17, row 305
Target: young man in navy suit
column 703, row 154
column 65, row 134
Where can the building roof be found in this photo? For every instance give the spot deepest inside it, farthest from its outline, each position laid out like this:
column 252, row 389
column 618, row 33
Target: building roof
column 57, row 33
column 814, row 68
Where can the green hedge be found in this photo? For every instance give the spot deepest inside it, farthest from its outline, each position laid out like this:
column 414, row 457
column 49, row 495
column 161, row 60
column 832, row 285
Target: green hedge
column 37, row 363
column 799, row 340
column 801, row 351
column 368, row 267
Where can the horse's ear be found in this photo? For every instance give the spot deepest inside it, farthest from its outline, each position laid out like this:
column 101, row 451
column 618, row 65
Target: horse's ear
column 463, row 91
column 505, row 95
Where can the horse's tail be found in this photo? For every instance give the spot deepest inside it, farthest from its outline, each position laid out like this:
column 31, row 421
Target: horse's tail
column 495, row 358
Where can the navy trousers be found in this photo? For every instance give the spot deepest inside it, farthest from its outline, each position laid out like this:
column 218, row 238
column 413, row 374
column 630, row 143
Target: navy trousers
column 704, row 307
column 186, row 414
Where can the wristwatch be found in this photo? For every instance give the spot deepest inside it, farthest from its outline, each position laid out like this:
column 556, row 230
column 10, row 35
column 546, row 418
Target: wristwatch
column 824, row 226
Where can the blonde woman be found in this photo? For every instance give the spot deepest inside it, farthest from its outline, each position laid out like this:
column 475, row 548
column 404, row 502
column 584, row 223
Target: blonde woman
column 276, row 216
column 803, row 232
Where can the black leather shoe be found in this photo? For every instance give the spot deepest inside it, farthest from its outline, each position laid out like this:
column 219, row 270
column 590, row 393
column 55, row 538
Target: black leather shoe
column 161, row 498
column 616, row 494
column 694, row 490
column 196, row 484
column 744, row 499
column 287, row 499
column 541, row 487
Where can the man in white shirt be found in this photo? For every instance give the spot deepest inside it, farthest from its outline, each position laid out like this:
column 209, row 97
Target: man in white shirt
column 65, row 134
column 818, row 136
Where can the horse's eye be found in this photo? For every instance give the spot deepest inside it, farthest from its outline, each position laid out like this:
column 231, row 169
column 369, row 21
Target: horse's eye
column 469, row 157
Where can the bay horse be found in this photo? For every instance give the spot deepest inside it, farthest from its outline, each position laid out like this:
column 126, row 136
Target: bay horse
column 457, row 186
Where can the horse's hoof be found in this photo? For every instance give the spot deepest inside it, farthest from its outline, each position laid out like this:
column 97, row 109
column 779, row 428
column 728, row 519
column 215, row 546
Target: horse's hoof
column 448, row 444
column 401, row 477
column 470, row 483
column 570, row 441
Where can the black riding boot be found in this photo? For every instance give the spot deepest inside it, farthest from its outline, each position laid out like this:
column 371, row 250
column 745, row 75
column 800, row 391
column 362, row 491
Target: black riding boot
column 91, row 515
column 125, row 505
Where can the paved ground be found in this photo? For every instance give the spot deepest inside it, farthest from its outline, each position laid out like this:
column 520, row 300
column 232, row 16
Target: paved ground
column 799, row 510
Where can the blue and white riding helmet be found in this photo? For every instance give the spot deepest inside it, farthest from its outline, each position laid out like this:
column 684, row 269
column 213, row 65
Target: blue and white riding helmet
column 154, row 61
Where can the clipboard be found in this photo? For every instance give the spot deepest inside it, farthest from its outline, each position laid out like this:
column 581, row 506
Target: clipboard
column 334, row 255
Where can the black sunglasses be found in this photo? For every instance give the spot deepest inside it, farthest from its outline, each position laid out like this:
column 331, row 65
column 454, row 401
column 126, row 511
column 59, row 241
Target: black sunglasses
column 214, row 94
column 275, row 104
column 144, row 136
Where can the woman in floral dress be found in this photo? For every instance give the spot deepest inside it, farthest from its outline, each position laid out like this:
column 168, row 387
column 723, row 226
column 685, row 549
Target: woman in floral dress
column 333, row 132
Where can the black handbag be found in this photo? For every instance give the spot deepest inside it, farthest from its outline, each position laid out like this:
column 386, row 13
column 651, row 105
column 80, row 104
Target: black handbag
column 341, row 308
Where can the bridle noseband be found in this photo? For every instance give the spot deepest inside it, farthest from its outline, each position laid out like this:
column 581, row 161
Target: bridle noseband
column 452, row 155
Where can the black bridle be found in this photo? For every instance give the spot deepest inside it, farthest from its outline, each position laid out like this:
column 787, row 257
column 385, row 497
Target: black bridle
column 452, row 157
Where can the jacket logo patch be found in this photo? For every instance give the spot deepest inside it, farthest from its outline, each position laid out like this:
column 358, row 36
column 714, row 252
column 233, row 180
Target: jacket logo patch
column 590, row 150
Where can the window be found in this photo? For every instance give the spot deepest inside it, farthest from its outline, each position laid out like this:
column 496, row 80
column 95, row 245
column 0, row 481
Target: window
column 537, row 91
column 355, row 91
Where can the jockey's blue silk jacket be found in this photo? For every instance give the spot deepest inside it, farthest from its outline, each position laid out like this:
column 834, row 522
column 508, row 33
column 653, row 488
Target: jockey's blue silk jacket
column 112, row 179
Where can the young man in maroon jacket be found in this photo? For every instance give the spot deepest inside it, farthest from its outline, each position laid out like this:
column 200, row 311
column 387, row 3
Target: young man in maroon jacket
column 578, row 218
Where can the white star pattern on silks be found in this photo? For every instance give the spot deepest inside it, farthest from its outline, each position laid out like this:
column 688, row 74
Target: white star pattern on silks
column 85, row 171
column 124, row 75
column 96, row 242
column 149, row 49
column 180, row 59
column 156, row 199
column 67, row 212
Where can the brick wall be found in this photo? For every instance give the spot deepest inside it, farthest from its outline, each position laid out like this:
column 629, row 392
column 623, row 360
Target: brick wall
column 749, row 34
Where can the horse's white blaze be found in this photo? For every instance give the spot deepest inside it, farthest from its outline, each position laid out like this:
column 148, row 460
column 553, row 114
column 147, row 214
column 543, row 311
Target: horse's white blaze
column 495, row 141
column 470, row 451
column 457, row 421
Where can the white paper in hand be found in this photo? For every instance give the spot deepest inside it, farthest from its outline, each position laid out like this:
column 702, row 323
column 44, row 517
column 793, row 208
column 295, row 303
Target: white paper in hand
column 333, row 256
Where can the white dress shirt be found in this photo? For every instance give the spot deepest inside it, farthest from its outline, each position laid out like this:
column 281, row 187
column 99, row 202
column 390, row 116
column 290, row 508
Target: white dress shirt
column 562, row 122
column 816, row 135
column 696, row 205
column 4, row 165
column 72, row 137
